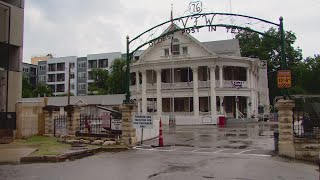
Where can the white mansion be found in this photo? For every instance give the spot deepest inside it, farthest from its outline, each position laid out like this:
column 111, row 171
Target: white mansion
column 197, row 81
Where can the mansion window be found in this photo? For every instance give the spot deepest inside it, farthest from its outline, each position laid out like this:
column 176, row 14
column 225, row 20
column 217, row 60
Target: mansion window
column 184, row 50
column 25, row 69
column 175, row 47
column 72, row 76
column 166, row 52
column 42, row 77
column 71, row 65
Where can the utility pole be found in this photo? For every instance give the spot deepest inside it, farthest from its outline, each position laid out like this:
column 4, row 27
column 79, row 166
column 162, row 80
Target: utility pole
column 69, row 84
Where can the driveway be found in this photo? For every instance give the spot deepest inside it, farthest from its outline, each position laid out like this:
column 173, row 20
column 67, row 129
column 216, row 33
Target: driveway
column 255, row 139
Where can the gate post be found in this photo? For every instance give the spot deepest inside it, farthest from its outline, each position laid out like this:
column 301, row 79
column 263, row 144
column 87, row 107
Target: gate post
column 48, row 112
column 128, row 131
column 286, row 145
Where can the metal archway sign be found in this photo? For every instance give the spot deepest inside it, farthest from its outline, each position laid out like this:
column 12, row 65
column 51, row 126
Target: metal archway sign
column 234, row 23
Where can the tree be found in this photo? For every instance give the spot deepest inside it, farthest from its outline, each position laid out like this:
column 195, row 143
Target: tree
column 268, row 48
column 42, row 89
column 26, row 88
column 116, row 80
column 100, row 84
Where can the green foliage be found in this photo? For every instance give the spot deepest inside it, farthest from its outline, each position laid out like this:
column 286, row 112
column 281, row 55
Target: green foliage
column 268, row 48
column 117, row 77
column 109, row 83
column 100, row 84
column 42, row 89
column 26, row 88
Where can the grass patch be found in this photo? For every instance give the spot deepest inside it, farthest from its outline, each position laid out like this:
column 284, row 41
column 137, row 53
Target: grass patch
column 46, row 145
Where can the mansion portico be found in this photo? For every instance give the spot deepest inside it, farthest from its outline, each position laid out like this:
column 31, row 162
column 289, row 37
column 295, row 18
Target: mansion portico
column 197, row 81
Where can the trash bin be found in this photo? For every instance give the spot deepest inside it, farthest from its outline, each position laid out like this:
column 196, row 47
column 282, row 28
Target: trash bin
column 222, row 121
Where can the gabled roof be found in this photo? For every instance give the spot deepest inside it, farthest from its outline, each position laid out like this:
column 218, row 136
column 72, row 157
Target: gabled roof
column 172, row 27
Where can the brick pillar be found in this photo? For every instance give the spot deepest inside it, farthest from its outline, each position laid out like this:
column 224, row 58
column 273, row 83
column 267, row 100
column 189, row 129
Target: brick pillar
column 48, row 122
column 76, row 119
column 73, row 116
column 286, row 146
column 128, row 131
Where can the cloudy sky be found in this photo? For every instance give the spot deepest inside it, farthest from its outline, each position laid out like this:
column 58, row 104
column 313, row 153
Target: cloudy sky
column 80, row 27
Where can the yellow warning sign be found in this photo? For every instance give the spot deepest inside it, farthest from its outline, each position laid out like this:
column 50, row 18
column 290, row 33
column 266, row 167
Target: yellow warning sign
column 284, row 79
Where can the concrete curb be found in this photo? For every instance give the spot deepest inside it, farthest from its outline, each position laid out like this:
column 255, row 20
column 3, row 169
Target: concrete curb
column 68, row 156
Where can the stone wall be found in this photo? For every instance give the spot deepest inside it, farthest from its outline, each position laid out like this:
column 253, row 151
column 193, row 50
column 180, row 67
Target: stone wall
column 290, row 146
column 307, row 149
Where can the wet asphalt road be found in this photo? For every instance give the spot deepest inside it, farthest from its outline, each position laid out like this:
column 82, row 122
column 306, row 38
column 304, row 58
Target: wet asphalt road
column 199, row 153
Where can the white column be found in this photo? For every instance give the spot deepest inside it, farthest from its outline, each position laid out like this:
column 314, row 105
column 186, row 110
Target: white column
column 159, row 97
column 248, row 77
column 137, row 80
column 237, row 111
column 221, row 76
column 144, row 92
column 195, row 91
column 213, row 94
column 221, row 104
column 139, row 106
column 248, row 107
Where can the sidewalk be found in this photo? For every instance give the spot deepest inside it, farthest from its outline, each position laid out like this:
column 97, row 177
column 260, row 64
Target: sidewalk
column 11, row 153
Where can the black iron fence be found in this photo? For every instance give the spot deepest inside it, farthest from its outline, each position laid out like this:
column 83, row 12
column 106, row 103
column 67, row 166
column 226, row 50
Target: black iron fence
column 60, row 125
column 305, row 125
column 93, row 124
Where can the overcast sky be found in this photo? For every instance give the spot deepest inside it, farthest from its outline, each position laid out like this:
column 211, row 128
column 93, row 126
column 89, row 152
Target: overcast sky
column 81, row 27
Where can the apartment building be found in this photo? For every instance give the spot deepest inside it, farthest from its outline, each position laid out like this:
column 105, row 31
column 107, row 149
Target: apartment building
column 55, row 71
column 58, row 71
column 30, row 72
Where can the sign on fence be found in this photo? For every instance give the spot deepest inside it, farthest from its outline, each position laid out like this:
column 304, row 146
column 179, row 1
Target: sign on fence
column 116, row 124
column 105, row 118
column 142, row 121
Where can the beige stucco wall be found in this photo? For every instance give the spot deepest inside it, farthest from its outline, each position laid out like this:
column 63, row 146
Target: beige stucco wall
column 15, row 89
column 28, row 123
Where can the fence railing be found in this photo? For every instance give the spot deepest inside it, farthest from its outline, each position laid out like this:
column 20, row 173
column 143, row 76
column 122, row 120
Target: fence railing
column 306, row 126
column 60, row 125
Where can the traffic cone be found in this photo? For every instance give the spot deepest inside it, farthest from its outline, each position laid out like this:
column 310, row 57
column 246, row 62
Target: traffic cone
column 160, row 134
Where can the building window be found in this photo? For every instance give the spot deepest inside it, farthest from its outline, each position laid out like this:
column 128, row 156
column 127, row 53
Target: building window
column 42, row 78
column 71, row 86
column 175, row 47
column 184, row 50
column 71, row 65
column 60, row 88
column 60, row 77
column 81, row 75
column 51, row 78
column 103, row 63
column 60, row 66
column 52, row 87
column 25, row 69
column 52, row 67
column 72, row 76
column 166, row 52
column 92, row 64
column 42, row 67
column 82, row 64
column 82, row 86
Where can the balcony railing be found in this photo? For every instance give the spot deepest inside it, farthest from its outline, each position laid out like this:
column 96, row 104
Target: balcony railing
column 177, row 85
column 235, row 84
column 152, row 86
column 202, row 84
